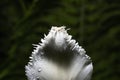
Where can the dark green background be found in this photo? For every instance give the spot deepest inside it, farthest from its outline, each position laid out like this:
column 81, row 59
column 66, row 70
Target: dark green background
column 95, row 24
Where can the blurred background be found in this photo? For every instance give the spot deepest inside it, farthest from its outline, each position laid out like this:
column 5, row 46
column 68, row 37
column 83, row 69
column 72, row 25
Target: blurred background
column 95, row 24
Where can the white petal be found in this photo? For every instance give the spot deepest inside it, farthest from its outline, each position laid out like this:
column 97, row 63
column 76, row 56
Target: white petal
column 59, row 57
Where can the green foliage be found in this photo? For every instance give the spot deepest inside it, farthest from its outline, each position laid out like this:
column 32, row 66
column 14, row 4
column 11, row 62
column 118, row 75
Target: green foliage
column 94, row 23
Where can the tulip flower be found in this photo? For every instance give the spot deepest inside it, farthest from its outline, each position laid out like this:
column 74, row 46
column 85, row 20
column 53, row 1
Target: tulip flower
column 59, row 57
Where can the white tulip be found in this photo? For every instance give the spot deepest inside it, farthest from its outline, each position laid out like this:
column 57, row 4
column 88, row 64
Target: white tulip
column 59, row 57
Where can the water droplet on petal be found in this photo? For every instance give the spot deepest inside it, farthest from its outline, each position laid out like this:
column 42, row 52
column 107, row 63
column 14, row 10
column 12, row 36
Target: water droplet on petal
column 39, row 70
